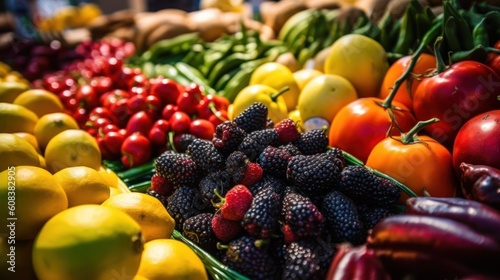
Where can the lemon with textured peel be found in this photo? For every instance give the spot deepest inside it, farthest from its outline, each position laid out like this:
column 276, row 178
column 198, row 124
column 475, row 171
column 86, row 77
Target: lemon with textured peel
column 82, row 185
column 170, row 259
column 10, row 90
column 324, row 96
column 304, row 76
column 40, row 101
column 16, row 118
column 149, row 212
column 15, row 151
column 38, row 197
column 72, row 147
column 361, row 60
column 30, row 138
column 88, row 242
column 50, row 125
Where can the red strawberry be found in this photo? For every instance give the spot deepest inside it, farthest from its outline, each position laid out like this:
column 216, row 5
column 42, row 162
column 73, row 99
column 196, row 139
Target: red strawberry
column 287, row 131
column 288, row 234
column 236, row 203
column 225, row 230
column 253, row 174
column 161, row 186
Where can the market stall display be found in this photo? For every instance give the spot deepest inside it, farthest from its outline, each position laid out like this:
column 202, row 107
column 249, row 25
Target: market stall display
column 317, row 140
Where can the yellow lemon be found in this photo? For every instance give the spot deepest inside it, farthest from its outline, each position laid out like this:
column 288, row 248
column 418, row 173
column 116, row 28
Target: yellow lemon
column 72, row 147
column 148, row 211
column 50, row 125
column 277, row 76
column 30, row 138
column 10, row 90
column 82, row 185
column 88, row 242
column 31, row 195
column 109, row 176
column 304, row 76
column 324, row 96
column 359, row 59
column 4, row 69
column 40, row 101
column 15, row 151
column 15, row 259
column 16, row 118
column 170, row 259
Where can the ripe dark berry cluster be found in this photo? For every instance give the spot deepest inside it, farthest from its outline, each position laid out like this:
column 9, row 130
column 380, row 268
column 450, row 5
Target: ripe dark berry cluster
column 269, row 201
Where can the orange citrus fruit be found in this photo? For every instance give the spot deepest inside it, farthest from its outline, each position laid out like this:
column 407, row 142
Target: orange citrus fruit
column 40, row 101
column 38, row 197
column 82, row 185
column 15, row 151
column 148, row 211
column 72, row 147
column 50, row 125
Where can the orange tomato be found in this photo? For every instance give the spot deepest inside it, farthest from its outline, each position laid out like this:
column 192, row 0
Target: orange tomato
column 425, row 64
column 422, row 164
column 361, row 124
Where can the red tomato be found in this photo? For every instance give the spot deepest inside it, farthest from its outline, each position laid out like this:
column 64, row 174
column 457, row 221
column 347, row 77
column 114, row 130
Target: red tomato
column 135, row 150
column 494, row 59
column 166, row 89
column 202, row 129
column 139, row 122
column 478, row 141
column 460, row 92
column 87, row 96
column 168, row 111
column 136, row 104
column 425, row 64
column 157, row 136
column 422, row 164
column 218, row 118
column 360, row 125
column 113, row 141
column 180, row 122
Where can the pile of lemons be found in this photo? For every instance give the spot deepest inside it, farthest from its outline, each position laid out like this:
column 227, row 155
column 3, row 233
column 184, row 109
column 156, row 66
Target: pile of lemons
column 68, row 217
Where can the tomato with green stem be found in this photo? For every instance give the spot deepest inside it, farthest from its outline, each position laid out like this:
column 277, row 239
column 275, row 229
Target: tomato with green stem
column 455, row 94
column 425, row 64
column 418, row 161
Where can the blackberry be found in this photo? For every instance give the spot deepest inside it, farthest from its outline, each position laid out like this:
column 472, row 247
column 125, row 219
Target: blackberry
column 177, row 169
column 313, row 174
column 301, row 217
column 206, row 156
column 251, row 258
column 161, row 198
column 291, row 149
column 274, row 161
column 306, row 260
column 183, row 204
column 255, row 142
column 342, row 218
column 236, row 164
column 312, row 142
column 227, row 137
column 220, row 181
column 278, row 185
column 261, row 220
column 252, row 118
column 269, row 123
column 371, row 215
column 277, row 249
column 199, row 230
column 182, row 141
column 335, row 155
column 361, row 185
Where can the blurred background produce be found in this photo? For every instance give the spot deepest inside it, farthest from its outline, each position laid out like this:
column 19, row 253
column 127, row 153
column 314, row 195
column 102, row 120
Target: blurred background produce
column 257, row 139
